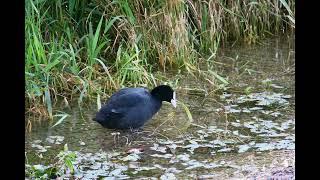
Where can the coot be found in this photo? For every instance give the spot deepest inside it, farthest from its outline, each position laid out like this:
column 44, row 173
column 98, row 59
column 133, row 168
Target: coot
column 131, row 108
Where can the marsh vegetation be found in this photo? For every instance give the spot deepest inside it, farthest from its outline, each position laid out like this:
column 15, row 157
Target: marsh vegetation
column 230, row 62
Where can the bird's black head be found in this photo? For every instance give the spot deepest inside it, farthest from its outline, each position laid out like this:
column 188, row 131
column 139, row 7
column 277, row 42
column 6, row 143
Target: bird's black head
column 100, row 118
column 165, row 93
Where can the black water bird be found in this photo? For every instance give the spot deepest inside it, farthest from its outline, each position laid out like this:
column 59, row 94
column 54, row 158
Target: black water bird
column 131, row 108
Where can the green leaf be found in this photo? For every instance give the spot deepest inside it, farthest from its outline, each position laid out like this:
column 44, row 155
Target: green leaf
column 223, row 80
column 110, row 23
column 65, row 147
column 97, row 34
column 98, row 102
column 186, row 109
column 291, row 19
column 285, row 4
column 63, row 116
column 48, row 101
column 52, row 64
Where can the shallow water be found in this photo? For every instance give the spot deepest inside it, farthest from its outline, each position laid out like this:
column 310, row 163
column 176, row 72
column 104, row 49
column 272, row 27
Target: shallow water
column 246, row 129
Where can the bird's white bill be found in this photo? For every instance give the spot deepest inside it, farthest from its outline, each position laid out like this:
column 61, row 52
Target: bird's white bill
column 173, row 100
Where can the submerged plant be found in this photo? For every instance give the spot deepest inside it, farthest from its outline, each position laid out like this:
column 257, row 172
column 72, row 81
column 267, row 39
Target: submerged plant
column 63, row 166
column 65, row 161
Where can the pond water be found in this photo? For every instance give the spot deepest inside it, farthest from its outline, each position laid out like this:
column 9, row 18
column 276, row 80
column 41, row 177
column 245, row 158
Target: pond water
column 243, row 129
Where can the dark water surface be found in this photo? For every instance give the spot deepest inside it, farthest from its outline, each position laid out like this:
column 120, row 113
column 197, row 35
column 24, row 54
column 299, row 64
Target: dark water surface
column 242, row 129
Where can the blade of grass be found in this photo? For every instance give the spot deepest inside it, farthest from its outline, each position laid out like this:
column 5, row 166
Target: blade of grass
column 63, row 116
column 186, row 109
column 96, row 35
column 98, row 102
column 107, row 71
column 48, row 102
column 220, row 78
column 285, row 4
column 110, row 23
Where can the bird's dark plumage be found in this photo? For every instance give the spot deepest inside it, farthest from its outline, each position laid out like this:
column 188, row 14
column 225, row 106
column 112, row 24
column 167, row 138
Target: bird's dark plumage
column 133, row 107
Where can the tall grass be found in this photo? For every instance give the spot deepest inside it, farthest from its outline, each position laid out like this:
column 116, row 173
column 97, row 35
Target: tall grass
column 81, row 49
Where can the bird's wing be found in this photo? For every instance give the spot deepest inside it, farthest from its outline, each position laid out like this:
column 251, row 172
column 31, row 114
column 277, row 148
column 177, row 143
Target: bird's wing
column 128, row 92
column 128, row 100
column 121, row 103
